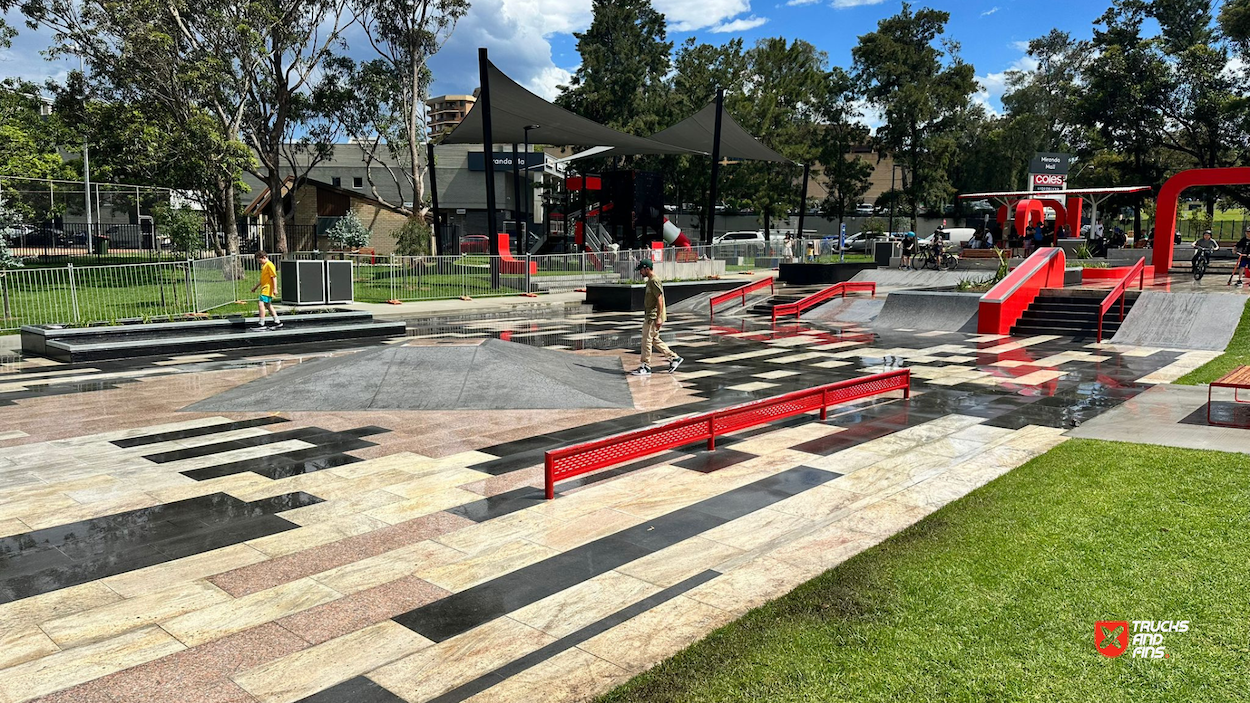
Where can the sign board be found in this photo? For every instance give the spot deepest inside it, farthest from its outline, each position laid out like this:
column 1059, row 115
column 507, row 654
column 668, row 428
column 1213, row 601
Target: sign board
column 503, row 161
column 1048, row 181
column 1051, row 163
column 460, row 211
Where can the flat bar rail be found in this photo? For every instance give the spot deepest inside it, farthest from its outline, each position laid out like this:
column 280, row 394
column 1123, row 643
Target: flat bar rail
column 798, row 306
column 1120, row 291
column 740, row 292
column 578, row 459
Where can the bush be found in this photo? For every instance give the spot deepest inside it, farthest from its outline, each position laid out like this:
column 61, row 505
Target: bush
column 349, row 232
column 185, row 228
column 414, row 238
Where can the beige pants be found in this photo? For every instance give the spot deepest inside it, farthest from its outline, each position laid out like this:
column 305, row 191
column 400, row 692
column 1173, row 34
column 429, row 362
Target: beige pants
column 650, row 338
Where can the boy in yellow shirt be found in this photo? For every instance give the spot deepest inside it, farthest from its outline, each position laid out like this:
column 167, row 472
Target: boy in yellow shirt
column 268, row 289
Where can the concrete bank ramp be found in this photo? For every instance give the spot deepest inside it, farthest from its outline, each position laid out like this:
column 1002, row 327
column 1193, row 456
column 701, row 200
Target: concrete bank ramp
column 493, row 375
column 1182, row 320
column 856, row 308
column 896, row 278
column 929, row 310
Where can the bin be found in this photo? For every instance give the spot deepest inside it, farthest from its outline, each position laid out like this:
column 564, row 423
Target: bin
column 99, row 244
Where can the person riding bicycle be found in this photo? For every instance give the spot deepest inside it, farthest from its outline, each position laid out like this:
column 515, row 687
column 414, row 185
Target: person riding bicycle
column 1203, row 247
column 1242, row 247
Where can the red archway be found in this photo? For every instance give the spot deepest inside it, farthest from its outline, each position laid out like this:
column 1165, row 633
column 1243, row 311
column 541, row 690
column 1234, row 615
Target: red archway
column 1169, row 196
column 1028, row 211
column 1061, row 215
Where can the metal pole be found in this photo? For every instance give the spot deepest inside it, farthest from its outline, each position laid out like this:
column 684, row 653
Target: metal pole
column 488, row 152
column 807, row 170
column 711, row 202
column 436, row 241
column 516, row 197
column 893, row 198
column 86, row 157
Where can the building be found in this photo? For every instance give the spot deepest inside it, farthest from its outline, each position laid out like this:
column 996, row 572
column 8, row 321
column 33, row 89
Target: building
column 347, row 168
column 315, row 206
column 446, row 111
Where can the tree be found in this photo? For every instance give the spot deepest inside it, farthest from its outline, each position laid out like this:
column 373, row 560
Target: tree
column 922, row 88
column 846, row 176
column 625, row 60
column 382, row 102
column 349, row 232
column 1039, row 102
column 184, row 227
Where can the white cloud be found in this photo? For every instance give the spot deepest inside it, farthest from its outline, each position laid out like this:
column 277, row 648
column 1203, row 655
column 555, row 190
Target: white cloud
column 842, row 4
column 691, row 15
column 868, row 115
column 993, row 85
column 795, row 3
column 1021, row 46
column 990, row 11
column 741, row 24
column 25, row 59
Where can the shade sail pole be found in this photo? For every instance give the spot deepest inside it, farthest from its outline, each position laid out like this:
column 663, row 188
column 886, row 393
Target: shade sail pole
column 807, row 170
column 711, row 203
column 488, row 149
column 516, row 200
column 436, row 241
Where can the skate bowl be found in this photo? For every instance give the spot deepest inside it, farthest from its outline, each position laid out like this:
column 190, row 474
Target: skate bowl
column 493, row 375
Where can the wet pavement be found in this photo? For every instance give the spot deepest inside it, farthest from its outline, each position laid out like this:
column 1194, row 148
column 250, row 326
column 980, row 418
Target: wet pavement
column 341, row 553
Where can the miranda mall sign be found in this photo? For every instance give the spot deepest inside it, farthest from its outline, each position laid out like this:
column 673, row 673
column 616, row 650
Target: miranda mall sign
column 1051, row 163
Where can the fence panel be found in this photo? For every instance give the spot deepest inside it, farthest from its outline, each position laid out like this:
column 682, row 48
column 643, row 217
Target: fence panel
column 217, row 281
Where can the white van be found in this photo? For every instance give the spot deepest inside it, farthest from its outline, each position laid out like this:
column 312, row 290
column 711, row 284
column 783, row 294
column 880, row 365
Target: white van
column 954, row 235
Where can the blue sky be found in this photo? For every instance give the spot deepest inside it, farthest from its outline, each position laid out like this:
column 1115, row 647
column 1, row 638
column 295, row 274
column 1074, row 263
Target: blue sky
column 532, row 40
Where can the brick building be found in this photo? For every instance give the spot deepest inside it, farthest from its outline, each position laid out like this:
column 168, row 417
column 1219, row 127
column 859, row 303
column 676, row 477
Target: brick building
column 315, row 206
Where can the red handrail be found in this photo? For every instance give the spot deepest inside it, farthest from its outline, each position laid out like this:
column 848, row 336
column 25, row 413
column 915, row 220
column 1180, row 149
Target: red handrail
column 833, row 291
column 579, row 459
column 740, row 292
column 1120, row 291
column 1009, row 298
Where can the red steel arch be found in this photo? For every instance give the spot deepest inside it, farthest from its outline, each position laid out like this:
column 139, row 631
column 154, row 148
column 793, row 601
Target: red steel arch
column 1169, row 197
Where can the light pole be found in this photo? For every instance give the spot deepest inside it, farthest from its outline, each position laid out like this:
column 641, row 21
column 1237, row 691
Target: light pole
column 528, row 191
column 86, row 157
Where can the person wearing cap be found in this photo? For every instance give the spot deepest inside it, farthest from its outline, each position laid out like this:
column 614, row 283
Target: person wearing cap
column 1243, row 255
column 653, row 307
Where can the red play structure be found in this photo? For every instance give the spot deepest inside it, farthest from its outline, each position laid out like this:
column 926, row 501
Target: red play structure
column 509, row 265
column 1169, row 196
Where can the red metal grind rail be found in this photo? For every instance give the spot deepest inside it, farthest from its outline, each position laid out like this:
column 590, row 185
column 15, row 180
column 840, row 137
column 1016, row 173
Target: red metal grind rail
column 829, row 293
column 1120, row 292
column 579, row 459
column 740, row 292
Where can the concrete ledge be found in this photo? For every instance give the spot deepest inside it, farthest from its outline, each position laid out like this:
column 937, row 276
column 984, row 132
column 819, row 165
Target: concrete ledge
column 816, row 274
column 630, row 298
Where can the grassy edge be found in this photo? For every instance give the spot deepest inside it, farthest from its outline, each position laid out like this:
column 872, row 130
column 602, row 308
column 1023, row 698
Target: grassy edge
column 1237, row 353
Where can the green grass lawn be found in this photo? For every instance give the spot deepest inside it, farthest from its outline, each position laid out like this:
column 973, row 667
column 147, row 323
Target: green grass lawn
column 1237, row 353
column 994, row 598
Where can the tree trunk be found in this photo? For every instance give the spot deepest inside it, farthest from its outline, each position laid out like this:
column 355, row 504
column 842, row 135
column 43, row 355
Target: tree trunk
column 277, row 216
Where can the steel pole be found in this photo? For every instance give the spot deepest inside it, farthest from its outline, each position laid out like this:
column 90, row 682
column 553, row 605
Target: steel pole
column 488, row 153
column 516, row 197
column 711, row 203
column 436, row 241
column 807, row 170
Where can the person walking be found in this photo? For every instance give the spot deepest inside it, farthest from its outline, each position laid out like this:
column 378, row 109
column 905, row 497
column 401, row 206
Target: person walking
column 655, row 312
column 268, row 286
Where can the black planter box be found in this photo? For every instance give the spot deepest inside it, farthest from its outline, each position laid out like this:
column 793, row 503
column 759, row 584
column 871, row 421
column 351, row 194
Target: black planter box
column 813, row 274
column 630, row 298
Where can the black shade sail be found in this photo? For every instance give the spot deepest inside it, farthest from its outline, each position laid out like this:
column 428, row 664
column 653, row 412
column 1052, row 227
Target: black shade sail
column 513, row 108
column 696, row 134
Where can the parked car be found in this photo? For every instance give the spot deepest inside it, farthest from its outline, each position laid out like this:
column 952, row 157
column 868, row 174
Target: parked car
column 746, row 238
column 864, row 210
column 958, row 236
column 475, row 244
column 862, row 242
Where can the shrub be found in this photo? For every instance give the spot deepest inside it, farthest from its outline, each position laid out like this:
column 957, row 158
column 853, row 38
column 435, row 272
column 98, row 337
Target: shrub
column 413, row 239
column 349, row 232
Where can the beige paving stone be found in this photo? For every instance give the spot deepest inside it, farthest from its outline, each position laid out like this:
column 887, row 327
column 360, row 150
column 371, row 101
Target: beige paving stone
column 563, row 536
column 657, row 634
column 13, row 526
column 388, row 566
column 368, row 467
column 308, row 671
column 576, row 607
column 749, row 585
column 79, row 511
column 405, row 510
column 21, row 644
column 571, row 675
column 846, row 461
column 74, row 666
column 819, row 502
column 160, row 576
column 54, row 604
column 752, row 386
column 217, row 621
column 236, row 485
column 439, row 668
column 132, row 613
column 339, row 507
column 825, row 548
column 884, row 517
column 782, row 439
column 679, row 562
column 935, row 492
column 322, row 484
column 478, row 537
column 302, row 538
column 757, row 528
column 471, row 570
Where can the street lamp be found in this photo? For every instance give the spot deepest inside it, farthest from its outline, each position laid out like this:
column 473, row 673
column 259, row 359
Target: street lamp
column 528, row 192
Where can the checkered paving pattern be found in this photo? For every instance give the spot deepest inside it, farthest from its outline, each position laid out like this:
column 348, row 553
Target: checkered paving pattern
column 155, row 555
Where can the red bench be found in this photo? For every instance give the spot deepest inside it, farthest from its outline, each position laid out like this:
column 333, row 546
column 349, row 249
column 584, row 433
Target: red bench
column 1237, row 379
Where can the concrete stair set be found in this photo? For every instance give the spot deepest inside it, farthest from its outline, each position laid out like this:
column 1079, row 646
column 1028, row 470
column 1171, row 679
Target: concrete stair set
column 1071, row 313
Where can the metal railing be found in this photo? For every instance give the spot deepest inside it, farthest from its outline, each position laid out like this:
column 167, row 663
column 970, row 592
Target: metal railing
column 740, row 292
column 567, row 462
column 797, row 307
column 86, row 294
column 1120, row 292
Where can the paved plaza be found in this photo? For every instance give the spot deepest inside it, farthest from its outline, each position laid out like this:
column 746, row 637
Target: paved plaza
column 289, row 526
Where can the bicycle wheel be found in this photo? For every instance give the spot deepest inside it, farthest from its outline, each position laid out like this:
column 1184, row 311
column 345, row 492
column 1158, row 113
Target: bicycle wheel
column 931, row 262
column 1200, row 269
column 951, row 261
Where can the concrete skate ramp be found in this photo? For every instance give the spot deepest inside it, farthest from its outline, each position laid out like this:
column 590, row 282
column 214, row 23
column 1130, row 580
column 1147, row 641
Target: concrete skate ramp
column 698, row 304
column 894, row 278
column 852, row 309
column 929, row 310
column 494, row 375
column 1182, row 320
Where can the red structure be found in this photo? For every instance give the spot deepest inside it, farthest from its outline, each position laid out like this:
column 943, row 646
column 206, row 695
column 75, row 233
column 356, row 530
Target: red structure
column 1003, row 305
column 584, row 458
column 740, row 292
column 1061, row 217
column 1118, row 293
column 798, row 306
column 1028, row 212
column 509, row 265
column 1169, row 196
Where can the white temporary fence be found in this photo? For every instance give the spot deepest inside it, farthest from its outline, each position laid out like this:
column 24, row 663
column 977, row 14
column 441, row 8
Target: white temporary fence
column 86, row 294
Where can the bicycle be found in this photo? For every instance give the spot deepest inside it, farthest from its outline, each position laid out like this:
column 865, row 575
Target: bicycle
column 939, row 259
column 1200, row 263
